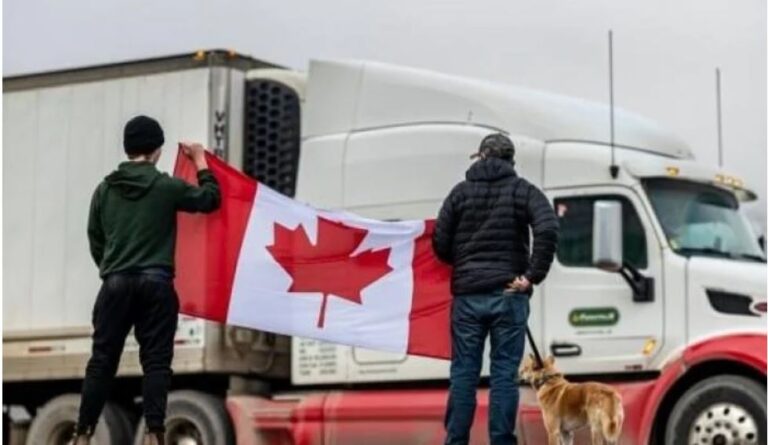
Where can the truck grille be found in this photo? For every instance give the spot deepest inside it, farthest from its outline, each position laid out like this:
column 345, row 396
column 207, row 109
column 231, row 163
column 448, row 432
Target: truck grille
column 272, row 134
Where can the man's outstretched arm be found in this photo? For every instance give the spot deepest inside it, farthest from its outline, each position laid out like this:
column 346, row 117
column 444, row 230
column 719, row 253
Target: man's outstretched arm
column 206, row 196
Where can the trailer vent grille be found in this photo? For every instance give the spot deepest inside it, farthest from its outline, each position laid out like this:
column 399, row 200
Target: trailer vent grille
column 272, row 134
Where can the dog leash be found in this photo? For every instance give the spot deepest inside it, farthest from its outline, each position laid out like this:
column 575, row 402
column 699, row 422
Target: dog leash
column 535, row 350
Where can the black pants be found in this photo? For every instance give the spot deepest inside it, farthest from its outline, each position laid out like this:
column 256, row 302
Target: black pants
column 147, row 302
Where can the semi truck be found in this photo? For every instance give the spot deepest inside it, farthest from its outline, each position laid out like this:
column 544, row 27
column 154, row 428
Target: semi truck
column 658, row 286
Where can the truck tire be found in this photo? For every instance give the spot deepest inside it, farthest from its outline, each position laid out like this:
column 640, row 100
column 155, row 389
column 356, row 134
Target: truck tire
column 55, row 422
column 194, row 418
column 720, row 410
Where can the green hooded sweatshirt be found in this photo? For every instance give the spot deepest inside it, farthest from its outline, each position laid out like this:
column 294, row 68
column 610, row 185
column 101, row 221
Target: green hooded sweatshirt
column 132, row 223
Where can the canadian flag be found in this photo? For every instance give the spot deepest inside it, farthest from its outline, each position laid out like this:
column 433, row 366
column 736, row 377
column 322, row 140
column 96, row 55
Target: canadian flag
column 268, row 262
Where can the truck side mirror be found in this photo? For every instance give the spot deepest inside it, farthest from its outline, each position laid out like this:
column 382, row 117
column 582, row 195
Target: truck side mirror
column 608, row 249
column 607, row 236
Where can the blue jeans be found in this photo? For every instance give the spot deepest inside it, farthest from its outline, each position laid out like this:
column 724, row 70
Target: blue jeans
column 473, row 317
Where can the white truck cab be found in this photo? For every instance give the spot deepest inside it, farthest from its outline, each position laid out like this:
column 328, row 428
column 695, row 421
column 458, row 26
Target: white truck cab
column 685, row 264
column 655, row 259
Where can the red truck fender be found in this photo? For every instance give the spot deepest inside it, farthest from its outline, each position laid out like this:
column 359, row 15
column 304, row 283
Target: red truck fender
column 747, row 349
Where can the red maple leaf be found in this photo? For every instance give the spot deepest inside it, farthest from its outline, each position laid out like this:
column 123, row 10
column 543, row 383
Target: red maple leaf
column 327, row 267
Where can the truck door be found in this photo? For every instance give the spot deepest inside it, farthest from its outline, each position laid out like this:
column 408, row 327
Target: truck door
column 591, row 322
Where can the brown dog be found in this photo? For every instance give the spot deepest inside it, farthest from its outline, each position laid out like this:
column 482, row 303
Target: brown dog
column 567, row 407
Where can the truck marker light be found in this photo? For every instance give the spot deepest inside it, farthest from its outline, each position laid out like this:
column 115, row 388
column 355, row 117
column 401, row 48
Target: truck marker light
column 719, row 178
column 673, row 171
column 759, row 306
column 199, row 55
column 650, row 345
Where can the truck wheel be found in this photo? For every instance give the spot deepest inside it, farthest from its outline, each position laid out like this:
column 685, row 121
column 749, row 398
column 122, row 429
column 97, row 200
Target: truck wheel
column 55, row 422
column 194, row 418
column 720, row 410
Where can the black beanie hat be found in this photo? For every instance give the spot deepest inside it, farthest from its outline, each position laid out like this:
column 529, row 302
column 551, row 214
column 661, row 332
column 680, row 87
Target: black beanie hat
column 496, row 145
column 142, row 136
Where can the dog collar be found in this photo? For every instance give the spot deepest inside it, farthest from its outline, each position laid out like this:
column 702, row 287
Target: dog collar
column 538, row 383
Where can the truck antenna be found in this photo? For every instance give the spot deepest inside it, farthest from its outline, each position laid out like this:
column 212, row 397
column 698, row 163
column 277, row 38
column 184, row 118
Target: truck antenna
column 719, row 119
column 614, row 169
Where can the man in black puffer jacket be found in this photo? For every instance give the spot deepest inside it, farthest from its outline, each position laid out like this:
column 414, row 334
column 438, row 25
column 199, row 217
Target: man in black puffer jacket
column 483, row 232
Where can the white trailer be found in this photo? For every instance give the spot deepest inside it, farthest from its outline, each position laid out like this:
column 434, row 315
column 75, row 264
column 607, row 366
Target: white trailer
column 67, row 132
column 674, row 314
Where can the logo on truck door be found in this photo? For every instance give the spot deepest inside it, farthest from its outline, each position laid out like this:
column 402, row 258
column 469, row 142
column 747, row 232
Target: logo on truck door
column 594, row 316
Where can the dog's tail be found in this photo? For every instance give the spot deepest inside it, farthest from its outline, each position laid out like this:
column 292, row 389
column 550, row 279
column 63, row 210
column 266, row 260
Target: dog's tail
column 614, row 420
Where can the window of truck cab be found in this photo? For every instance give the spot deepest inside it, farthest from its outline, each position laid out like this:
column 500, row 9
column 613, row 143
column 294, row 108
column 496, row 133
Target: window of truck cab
column 576, row 217
column 702, row 219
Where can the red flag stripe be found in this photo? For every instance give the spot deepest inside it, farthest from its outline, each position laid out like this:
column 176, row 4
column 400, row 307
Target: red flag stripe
column 206, row 260
column 429, row 334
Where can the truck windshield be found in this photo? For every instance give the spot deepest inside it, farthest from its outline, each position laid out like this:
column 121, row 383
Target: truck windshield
column 701, row 219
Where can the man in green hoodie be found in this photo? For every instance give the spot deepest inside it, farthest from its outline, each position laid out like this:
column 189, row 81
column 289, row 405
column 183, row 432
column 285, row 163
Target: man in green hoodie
column 132, row 235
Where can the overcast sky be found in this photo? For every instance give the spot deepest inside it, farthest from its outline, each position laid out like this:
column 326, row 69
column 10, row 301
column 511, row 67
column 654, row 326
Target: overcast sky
column 665, row 51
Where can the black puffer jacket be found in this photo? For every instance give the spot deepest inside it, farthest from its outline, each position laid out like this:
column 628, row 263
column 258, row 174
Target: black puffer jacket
column 482, row 229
